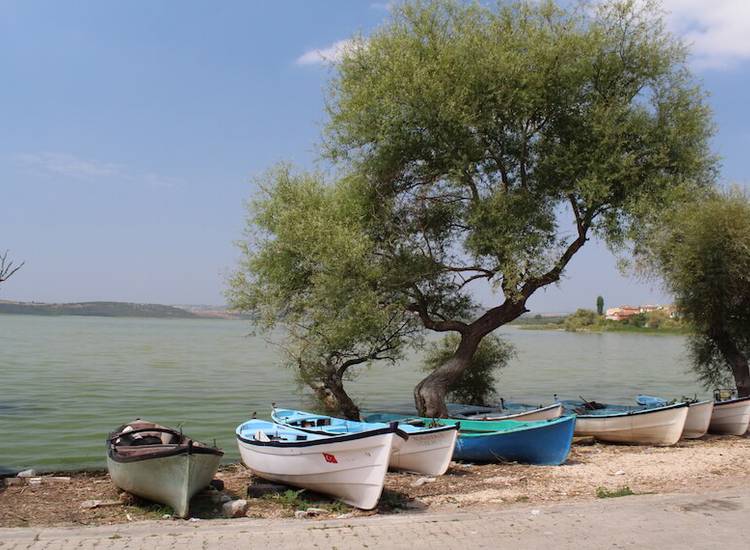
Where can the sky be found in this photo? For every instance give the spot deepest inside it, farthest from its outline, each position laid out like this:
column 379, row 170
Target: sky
column 131, row 132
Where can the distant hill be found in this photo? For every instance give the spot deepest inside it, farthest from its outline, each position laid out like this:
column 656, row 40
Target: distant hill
column 101, row 309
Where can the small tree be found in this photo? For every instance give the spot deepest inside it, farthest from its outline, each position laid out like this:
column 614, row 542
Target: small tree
column 7, row 269
column 702, row 251
column 477, row 386
column 599, row 306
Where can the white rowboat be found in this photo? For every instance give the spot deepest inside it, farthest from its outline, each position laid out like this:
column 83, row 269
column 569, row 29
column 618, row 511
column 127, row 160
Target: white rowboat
column 698, row 419
column 731, row 417
column 654, row 426
column 160, row 464
column 350, row 467
column 547, row 412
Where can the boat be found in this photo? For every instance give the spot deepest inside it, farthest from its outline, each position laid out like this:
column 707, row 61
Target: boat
column 427, row 451
column 506, row 411
column 630, row 425
column 698, row 418
column 160, row 464
column 350, row 467
column 545, row 442
column 731, row 417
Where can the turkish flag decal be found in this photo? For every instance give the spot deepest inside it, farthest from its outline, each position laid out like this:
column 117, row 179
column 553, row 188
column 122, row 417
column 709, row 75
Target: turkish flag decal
column 330, row 458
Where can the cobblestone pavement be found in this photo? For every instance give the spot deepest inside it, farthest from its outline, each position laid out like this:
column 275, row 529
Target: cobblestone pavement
column 718, row 520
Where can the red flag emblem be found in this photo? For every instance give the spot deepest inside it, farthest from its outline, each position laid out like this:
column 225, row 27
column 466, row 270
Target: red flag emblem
column 330, row 458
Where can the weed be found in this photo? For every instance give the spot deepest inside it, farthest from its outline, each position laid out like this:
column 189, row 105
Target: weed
column 603, row 492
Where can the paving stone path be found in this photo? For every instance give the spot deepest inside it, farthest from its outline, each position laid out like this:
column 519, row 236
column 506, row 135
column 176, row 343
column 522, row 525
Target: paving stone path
column 680, row 521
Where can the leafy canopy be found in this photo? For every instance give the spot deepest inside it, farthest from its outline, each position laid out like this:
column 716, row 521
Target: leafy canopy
column 493, row 142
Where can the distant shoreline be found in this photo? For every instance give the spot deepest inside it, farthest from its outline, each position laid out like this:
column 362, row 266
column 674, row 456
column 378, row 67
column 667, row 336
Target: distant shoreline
column 116, row 309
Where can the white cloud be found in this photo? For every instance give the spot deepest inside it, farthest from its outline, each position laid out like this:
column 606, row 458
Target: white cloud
column 331, row 54
column 70, row 166
column 718, row 31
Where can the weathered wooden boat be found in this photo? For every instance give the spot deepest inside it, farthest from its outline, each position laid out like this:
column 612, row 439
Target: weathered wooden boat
column 698, row 418
column 731, row 417
column 535, row 442
column 426, row 451
column 506, row 411
column 160, row 464
column 629, row 425
column 350, row 467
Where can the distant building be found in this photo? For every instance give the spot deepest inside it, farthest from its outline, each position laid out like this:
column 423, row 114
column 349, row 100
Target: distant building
column 624, row 312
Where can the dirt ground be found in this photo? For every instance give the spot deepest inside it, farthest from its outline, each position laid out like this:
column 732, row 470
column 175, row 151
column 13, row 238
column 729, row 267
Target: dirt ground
column 592, row 471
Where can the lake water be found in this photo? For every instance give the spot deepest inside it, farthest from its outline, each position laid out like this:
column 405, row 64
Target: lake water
column 65, row 382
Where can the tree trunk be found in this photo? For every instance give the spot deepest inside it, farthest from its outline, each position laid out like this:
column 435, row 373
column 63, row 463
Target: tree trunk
column 334, row 399
column 429, row 394
column 737, row 362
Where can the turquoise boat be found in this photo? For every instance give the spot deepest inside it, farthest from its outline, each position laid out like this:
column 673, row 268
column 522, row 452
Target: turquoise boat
column 545, row 442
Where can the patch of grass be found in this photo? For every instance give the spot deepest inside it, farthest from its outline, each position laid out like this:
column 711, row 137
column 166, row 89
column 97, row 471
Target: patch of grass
column 115, row 536
column 603, row 492
column 296, row 501
column 522, row 498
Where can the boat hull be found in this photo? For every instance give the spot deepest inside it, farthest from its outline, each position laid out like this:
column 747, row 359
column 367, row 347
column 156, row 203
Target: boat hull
column 351, row 468
column 427, row 452
column 698, row 419
column 659, row 426
column 171, row 480
column 546, row 444
column 730, row 417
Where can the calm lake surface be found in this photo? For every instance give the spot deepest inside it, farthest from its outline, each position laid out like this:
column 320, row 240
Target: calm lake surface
column 65, row 382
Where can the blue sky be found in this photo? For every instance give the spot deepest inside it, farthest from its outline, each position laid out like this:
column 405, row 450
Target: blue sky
column 130, row 132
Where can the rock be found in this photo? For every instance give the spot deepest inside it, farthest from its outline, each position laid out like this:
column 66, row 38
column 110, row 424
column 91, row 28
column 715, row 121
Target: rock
column 300, row 514
column 234, row 508
column 166, row 516
column 217, row 484
column 11, row 481
column 315, row 511
column 422, row 480
column 57, row 479
column 27, row 473
column 257, row 490
column 619, row 473
column 345, row 516
column 34, row 481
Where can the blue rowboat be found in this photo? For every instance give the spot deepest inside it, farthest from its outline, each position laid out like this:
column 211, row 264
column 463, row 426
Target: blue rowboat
column 426, row 450
column 544, row 442
column 634, row 425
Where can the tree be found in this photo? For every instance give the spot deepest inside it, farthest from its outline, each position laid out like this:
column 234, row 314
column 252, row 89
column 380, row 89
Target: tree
column 307, row 269
column 599, row 305
column 702, row 251
column 476, row 386
column 492, row 144
column 7, row 270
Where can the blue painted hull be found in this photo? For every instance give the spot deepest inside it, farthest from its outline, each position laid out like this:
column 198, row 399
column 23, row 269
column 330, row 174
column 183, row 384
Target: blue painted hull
column 546, row 444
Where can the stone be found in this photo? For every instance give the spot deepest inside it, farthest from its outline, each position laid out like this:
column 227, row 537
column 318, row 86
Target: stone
column 422, row 480
column 34, row 481
column 57, row 479
column 257, row 490
column 345, row 516
column 234, row 508
column 300, row 514
column 315, row 511
column 27, row 473
column 217, row 484
column 166, row 516
column 619, row 473
column 14, row 481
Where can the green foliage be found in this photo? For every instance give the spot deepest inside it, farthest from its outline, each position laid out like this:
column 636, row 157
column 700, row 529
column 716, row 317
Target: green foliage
column 477, row 384
column 600, row 305
column 603, row 492
column 582, row 319
column 702, row 252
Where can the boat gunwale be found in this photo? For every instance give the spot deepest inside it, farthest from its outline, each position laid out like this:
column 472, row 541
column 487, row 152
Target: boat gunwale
column 731, row 401
column 630, row 413
column 187, row 446
column 527, row 425
column 404, row 435
column 324, row 440
column 507, row 414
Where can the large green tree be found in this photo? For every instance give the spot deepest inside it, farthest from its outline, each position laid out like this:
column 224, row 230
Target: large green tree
column 491, row 143
column 702, row 251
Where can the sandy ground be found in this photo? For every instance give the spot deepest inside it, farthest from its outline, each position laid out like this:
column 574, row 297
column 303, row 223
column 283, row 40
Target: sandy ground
column 593, row 471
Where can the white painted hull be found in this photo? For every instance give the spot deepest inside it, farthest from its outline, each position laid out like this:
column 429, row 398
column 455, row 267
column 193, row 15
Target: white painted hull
column 429, row 452
column 698, row 419
column 730, row 417
column 549, row 412
column 171, row 480
column 352, row 470
column 654, row 427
